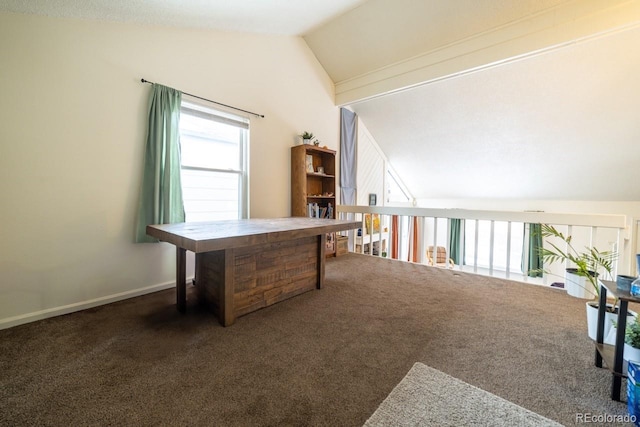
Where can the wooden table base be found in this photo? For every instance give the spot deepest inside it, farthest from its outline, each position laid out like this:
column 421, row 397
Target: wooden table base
column 237, row 281
column 247, row 264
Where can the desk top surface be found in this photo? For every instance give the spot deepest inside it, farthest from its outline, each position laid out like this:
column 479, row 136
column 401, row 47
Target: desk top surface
column 215, row 235
column 612, row 287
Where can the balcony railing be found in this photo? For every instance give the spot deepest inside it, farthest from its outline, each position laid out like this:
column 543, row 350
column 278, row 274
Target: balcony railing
column 490, row 247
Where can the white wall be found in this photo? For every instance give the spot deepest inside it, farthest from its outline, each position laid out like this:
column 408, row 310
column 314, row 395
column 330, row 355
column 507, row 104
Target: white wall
column 371, row 168
column 73, row 127
column 371, row 171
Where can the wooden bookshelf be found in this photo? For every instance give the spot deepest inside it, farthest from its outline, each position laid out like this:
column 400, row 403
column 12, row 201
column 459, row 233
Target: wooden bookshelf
column 313, row 181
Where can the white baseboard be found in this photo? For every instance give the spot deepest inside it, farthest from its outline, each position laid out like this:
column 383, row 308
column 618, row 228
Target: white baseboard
column 66, row 309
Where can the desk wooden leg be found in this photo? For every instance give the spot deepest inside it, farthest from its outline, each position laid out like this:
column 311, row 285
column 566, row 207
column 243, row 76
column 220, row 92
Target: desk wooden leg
column 227, row 315
column 322, row 245
column 199, row 281
column 181, row 280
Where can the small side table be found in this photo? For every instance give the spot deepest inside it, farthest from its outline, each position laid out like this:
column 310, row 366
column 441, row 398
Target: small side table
column 613, row 354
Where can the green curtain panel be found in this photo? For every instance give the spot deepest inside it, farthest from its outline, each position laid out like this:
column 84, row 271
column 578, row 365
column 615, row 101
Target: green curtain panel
column 534, row 269
column 455, row 247
column 161, row 194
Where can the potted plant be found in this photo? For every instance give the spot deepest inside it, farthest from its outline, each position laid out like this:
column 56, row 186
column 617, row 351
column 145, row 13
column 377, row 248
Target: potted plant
column 632, row 341
column 589, row 264
column 307, row 137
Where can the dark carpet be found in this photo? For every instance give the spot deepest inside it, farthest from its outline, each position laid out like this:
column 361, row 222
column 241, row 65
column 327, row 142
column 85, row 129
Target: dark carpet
column 326, row 357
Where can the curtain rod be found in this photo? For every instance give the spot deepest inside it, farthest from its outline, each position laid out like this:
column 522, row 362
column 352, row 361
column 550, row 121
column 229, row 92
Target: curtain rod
column 208, row 100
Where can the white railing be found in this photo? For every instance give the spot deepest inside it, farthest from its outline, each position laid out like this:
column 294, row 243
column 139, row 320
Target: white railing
column 606, row 232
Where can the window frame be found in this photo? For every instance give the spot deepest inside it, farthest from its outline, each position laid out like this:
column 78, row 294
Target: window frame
column 207, row 112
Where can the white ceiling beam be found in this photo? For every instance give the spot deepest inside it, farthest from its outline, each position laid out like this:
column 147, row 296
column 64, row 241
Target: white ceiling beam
column 567, row 23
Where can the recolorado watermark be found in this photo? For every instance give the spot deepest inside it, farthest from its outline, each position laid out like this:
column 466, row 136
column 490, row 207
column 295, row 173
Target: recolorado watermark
column 588, row 418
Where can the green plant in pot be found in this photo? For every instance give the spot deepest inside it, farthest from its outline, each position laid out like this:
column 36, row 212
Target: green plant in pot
column 632, row 334
column 307, row 137
column 589, row 265
column 632, row 341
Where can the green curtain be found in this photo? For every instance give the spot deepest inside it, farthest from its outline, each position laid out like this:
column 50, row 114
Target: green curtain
column 161, row 194
column 534, row 269
column 455, row 246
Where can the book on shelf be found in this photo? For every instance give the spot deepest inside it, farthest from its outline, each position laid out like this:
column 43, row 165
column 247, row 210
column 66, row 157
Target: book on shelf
column 316, row 211
column 309, row 163
column 313, row 210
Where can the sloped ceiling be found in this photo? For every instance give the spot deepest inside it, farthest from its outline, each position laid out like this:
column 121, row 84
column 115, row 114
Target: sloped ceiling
column 252, row 16
column 554, row 118
column 562, row 123
column 384, row 32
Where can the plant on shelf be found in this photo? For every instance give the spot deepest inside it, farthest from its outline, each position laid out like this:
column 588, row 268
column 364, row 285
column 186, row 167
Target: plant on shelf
column 632, row 334
column 632, row 340
column 307, row 137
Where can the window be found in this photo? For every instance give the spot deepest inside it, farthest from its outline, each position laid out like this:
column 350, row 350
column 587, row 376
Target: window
column 395, row 191
column 214, row 156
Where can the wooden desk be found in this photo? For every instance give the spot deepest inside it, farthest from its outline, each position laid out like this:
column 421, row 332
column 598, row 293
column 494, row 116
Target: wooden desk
column 244, row 265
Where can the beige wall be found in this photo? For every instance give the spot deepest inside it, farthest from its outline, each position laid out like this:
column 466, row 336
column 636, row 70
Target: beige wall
column 73, row 115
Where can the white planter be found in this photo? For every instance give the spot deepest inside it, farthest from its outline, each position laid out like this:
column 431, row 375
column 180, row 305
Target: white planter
column 610, row 319
column 610, row 338
column 578, row 286
column 592, row 320
column 630, row 354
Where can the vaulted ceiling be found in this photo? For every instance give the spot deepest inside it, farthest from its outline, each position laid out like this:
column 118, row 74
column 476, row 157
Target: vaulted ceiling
column 257, row 16
column 467, row 98
column 563, row 125
column 495, row 99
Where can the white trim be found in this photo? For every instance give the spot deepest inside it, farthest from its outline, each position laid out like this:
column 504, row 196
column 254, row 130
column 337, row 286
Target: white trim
column 10, row 322
column 555, row 28
column 586, row 220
